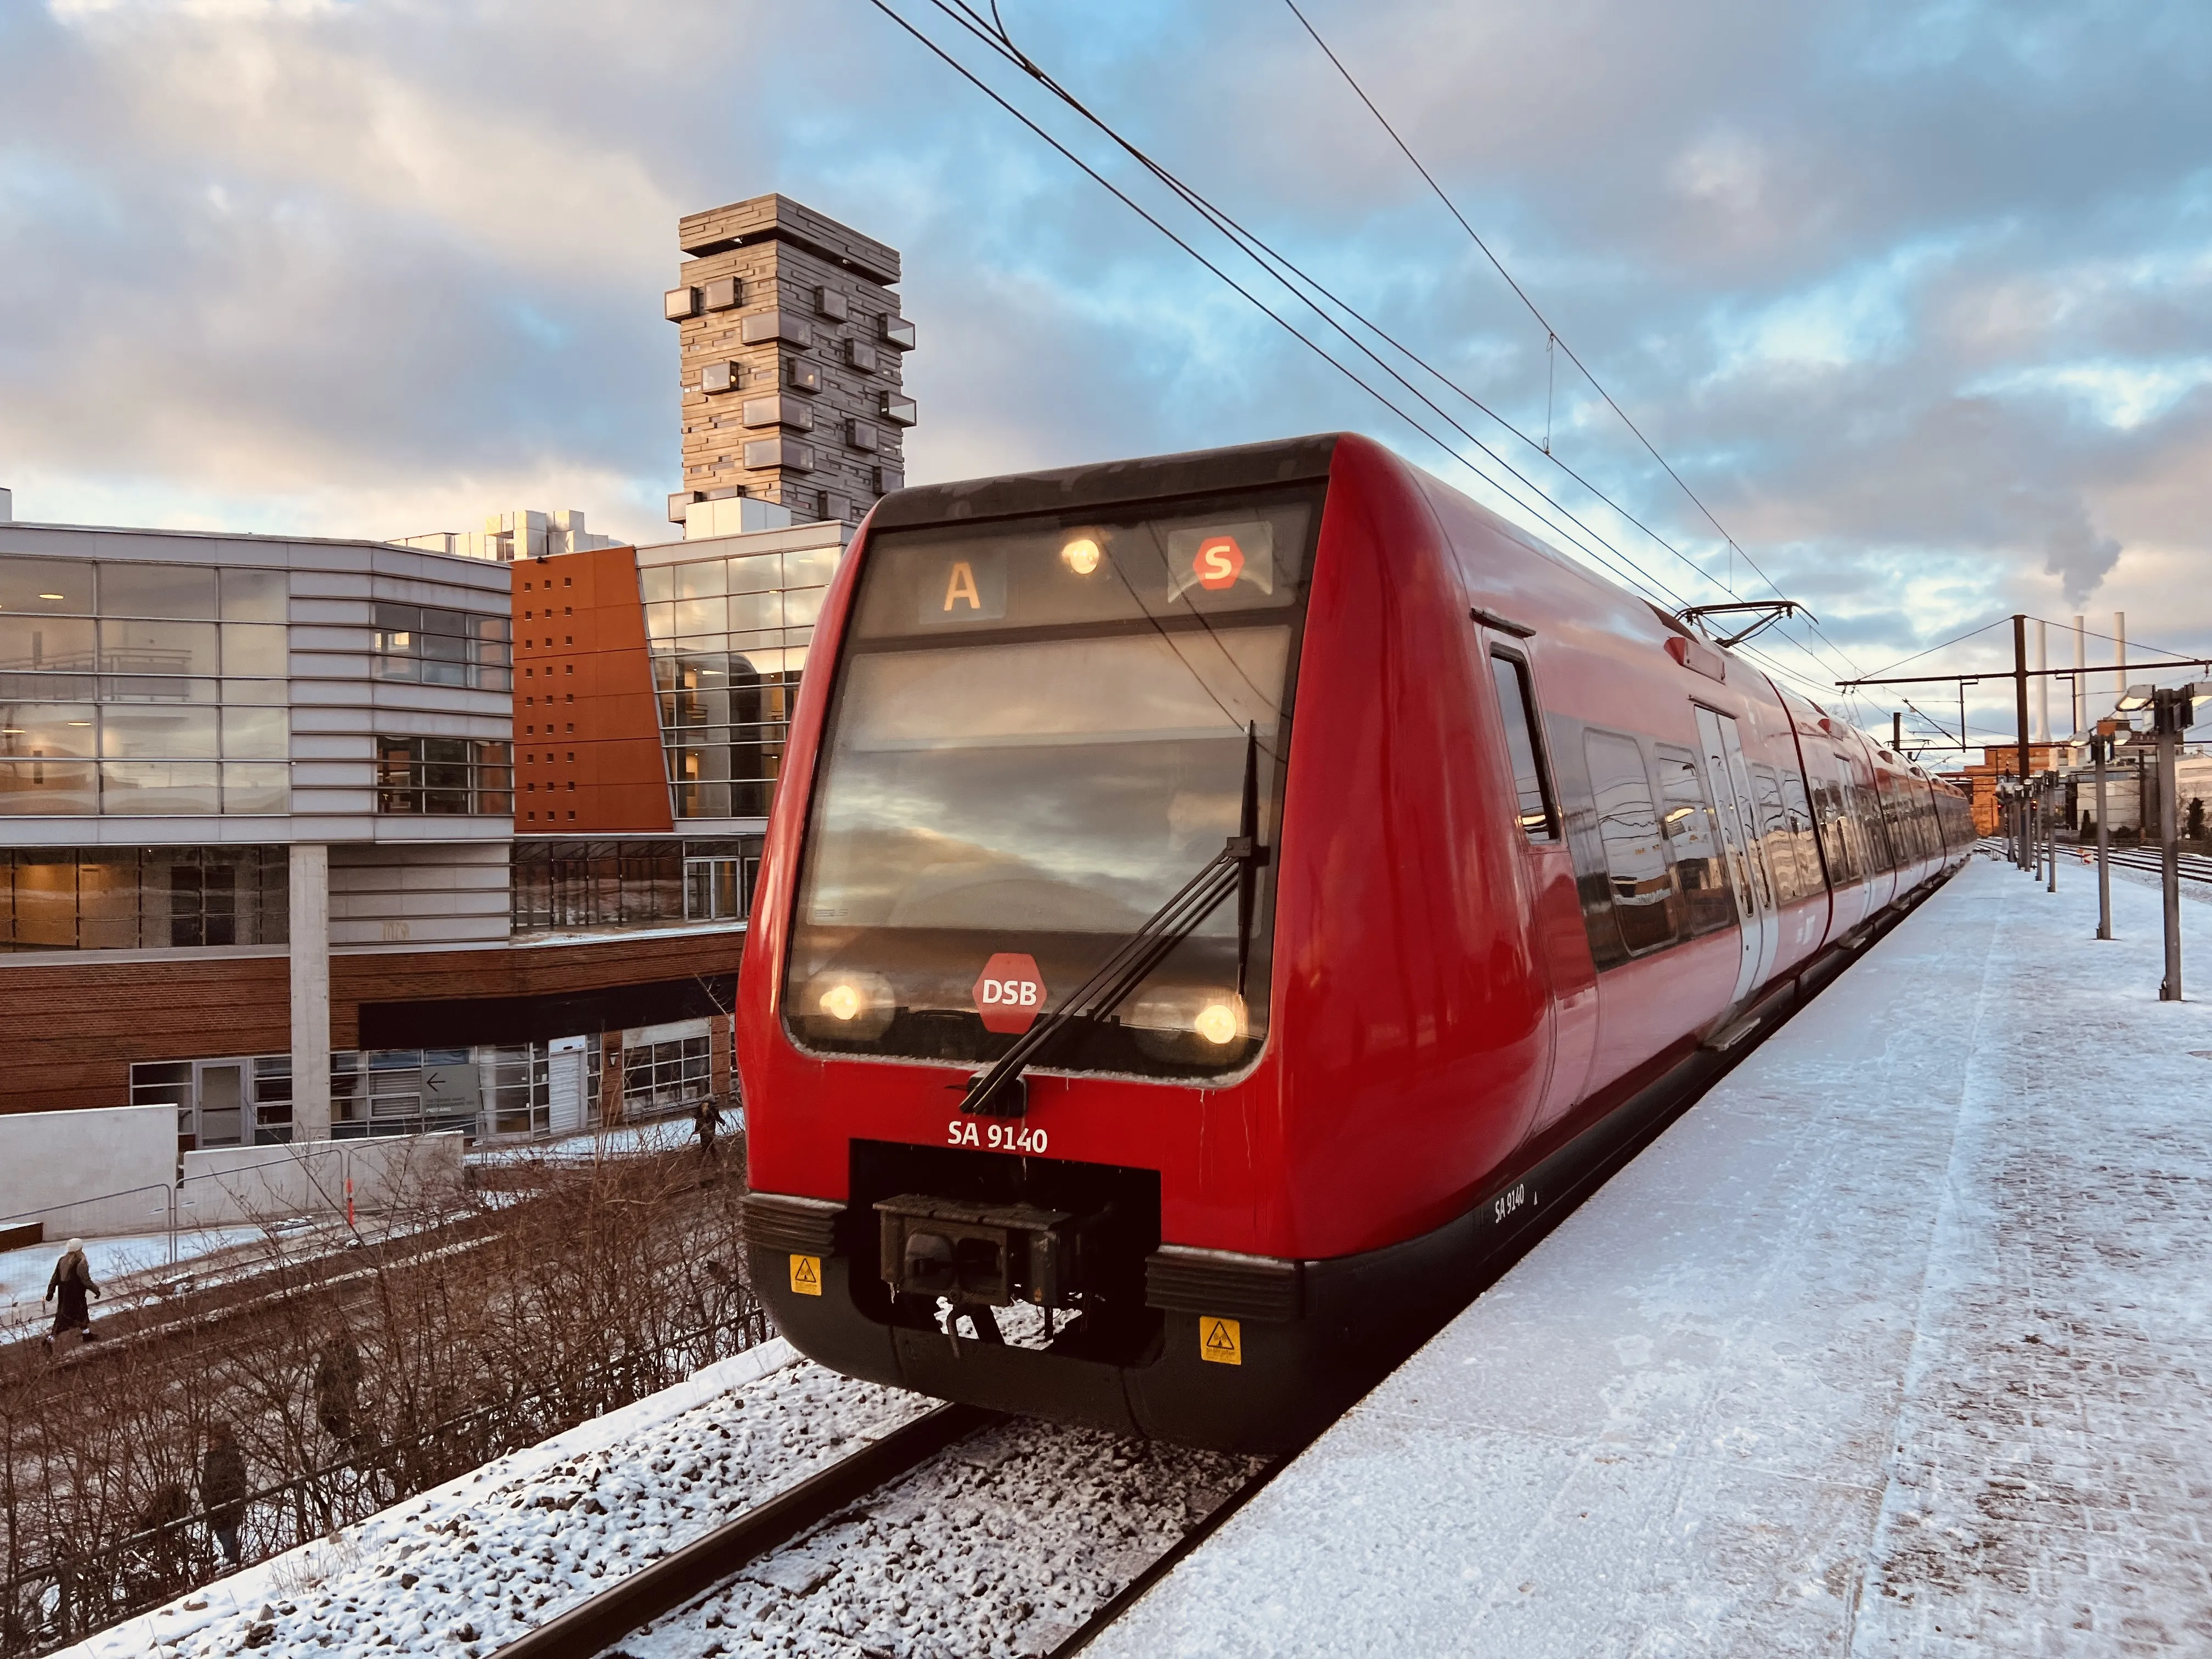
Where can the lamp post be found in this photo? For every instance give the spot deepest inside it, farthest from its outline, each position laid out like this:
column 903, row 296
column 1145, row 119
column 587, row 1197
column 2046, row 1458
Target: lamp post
column 2100, row 750
column 2051, row 826
column 2172, row 712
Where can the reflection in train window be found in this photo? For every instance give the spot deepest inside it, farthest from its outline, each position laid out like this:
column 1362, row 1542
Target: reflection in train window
column 1635, row 855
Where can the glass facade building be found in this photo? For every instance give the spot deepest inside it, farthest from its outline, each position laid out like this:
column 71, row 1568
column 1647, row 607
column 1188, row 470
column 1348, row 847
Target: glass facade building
column 728, row 637
column 142, row 688
column 574, row 886
column 141, row 898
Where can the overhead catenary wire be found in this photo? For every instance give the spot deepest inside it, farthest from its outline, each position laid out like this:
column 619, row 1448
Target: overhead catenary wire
column 1552, row 338
column 1303, row 286
column 994, row 36
column 1581, row 535
column 1649, row 585
column 1297, row 281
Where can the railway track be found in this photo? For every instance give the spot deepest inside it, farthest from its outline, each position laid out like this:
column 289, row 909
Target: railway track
column 652, row 1609
column 2195, row 866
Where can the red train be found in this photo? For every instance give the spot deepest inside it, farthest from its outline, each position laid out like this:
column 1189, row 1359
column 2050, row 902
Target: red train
column 1213, row 901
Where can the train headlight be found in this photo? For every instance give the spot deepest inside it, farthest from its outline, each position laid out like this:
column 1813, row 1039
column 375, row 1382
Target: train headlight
column 1081, row 555
column 1189, row 1023
column 846, row 1005
column 1220, row 1022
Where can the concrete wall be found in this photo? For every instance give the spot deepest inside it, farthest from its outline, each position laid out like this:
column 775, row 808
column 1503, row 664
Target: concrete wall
column 404, row 1169
column 231, row 1185
column 53, row 1164
column 226, row 1185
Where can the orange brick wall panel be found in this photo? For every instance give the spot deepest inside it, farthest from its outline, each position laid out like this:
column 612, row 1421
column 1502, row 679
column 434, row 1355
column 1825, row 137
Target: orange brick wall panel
column 622, row 765
column 598, row 656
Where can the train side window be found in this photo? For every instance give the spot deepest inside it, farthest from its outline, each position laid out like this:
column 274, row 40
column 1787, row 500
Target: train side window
column 1797, row 810
column 1774, row 834
column 1524, row 746
column 1866, row 812
column 1693, row 836
column 1834, row 817
column 1635, row 853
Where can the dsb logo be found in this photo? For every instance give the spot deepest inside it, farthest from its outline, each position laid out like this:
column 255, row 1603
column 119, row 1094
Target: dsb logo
column 1009, row 992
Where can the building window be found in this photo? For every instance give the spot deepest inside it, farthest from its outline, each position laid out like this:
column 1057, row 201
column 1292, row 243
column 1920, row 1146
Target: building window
column 443, row 647
column 661, row 1078
column 247, row 1099
column 568, row 886
column 458, row 775
column 142, row 689
column 728, row 639
column 149, row 898
column 719, row 889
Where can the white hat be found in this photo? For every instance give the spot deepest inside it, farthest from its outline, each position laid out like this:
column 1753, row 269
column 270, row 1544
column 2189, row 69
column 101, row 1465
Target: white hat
column 76, row 1244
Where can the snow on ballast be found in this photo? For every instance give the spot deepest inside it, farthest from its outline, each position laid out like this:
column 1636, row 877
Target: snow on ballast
column 469, row 1565
column 1894, row 1343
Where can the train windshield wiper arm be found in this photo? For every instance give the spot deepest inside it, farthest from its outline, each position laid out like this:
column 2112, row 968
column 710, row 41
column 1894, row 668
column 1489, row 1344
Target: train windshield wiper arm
column 1235, row 869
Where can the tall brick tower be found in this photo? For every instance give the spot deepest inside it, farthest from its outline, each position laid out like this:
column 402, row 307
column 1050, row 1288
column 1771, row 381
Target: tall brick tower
column 792, row 349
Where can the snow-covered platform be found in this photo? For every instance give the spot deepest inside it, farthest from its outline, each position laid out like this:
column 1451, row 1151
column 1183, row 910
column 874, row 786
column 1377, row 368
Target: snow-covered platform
column 1900, row 1342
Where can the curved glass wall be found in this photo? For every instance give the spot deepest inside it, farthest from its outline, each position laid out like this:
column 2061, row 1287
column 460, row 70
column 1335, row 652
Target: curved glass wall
column 728, row 637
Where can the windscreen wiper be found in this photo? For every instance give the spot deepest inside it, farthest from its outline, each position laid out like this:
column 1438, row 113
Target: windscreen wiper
column 1000, row 1092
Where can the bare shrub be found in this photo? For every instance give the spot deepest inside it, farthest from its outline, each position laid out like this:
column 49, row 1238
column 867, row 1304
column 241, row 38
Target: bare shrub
column 356, row 1371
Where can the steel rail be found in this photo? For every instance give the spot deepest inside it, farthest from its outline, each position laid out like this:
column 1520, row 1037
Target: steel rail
column 661, row 1586
column 1166, row 1562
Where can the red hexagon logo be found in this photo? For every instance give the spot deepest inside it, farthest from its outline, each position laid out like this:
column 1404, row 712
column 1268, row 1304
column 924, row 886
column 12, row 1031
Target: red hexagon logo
column 1010, row 993
column 1218, row 562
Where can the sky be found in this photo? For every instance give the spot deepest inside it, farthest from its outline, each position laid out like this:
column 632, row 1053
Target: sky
column 1916, row 297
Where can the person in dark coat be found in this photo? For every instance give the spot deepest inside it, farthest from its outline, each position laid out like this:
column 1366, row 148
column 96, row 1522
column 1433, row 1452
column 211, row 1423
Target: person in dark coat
column 222, row 1490
column 72, row 1281
column 706, row 1118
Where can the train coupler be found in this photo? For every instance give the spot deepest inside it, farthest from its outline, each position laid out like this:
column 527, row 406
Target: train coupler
column 987, row 1254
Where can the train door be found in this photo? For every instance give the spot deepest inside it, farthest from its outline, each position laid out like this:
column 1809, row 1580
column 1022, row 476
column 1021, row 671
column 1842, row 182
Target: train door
column 1759, row 924
column 1556, row 908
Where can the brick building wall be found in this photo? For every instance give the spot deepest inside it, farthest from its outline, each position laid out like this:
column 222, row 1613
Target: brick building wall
column 791, row 350
column 78, row 1025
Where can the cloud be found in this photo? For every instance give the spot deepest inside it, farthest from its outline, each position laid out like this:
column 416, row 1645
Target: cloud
column 1917, row 298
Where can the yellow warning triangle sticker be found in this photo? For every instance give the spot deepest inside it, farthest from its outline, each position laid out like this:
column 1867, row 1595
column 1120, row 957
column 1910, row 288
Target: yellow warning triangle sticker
column 806, row 1275
column 1222, row 1341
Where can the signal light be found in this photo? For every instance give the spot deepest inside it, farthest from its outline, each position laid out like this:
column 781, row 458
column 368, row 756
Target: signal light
column 1082, row 555
column 841, row 1001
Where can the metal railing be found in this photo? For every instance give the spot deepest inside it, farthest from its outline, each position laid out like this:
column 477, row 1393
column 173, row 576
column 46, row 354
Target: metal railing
column 135, row 1211
column 323, row 1179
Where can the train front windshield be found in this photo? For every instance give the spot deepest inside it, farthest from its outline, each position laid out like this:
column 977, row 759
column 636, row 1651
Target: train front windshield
column 1039, row 734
